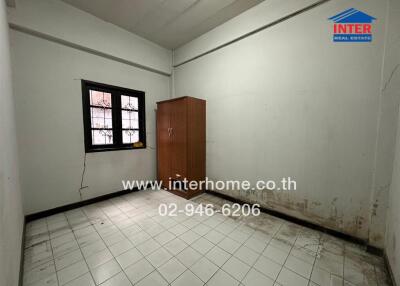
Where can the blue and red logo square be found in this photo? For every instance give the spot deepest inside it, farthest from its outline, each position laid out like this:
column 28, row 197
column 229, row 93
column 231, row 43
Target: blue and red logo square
column 352, row 26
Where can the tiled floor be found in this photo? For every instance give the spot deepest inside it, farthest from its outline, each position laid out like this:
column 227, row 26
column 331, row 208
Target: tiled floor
column 124, row 241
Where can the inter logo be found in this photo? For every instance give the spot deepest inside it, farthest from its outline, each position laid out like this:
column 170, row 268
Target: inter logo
column 352, row 26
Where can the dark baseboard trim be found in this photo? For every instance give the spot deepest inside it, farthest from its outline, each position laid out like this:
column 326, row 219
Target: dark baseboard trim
column 338, row 234
column 76, row 205
column 389, row 268
column 373, row 249
column 21, row 262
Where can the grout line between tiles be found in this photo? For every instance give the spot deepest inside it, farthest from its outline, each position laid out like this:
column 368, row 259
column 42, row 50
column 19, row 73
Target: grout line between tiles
column 315, row 260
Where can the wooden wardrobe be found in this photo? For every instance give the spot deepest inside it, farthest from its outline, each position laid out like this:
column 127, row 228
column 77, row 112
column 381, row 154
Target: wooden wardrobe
column 181, row 143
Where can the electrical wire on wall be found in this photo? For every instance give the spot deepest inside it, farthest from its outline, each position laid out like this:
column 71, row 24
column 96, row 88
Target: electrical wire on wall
column 82, row 178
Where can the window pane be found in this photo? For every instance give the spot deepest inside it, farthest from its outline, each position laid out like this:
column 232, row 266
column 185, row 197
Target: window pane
column 129, row 102
column 101, row 117
column 130, row 119
column 99, row 98
column 102, row 137
column 130, row 136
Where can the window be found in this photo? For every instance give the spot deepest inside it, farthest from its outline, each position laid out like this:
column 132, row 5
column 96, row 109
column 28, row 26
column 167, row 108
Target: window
column 113, row 117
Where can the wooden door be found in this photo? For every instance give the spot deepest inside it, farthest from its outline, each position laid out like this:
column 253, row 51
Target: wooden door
column 164, row 142
column 196, row 139
column 179, row 139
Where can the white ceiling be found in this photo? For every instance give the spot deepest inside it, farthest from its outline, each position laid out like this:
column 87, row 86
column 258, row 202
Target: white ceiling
column 169, row 23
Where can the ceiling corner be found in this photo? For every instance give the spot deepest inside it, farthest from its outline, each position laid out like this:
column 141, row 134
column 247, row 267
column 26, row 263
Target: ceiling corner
column 11, row 3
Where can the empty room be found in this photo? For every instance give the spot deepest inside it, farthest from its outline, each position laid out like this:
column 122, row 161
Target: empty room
column 199, row 142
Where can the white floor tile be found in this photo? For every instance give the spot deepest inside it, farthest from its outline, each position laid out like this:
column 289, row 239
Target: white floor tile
column 131, row 230
column 128, row 258
column 178, row 229
column 106, row 229
column 105, row 271
column 246, row 255
column 190, row 223
column 62, row 239
column 320, row 276
column 118, row 280
column 80, row 233
column 268, row 267
column 212, row 222
column 99, row 258
column 229, row 245
column 239, row 236
column 255, row 244
column 221, row 278
column 236, row 268
column 30, row 241
column 204, row 269
column 138, row 270
column 202, row 245
column 276, row 254
column 285, row 246
column 329, row 265
column 72, row 272
column 299, row 266
column 31, row 262
column 175, row 246
column 68, row 259
column 153, row 279
column 201, row 229
column 218, row 256
column 289, row 278
column 113, row 238
column 172, row 269
column 189, row 237
column 164, row 237
column 65, row 248
column 304, row 254
column 121, row 247
column 48, row 281
column 159, row 257
column 187, row 278
column 139, row 238
column 255, row 278
column 93, row 248
column 214, row 236
column 154, row 231
column 148, row 247
column 59, row 232
column 188, row 256
column 84, row 280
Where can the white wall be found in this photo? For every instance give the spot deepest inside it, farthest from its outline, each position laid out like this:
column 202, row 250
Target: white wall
column 56, row 19
column 11, row 215
column 391, row 93
column 50, row 125
column 289, row 102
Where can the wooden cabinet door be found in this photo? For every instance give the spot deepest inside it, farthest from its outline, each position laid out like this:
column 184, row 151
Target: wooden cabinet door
column 196, row 165
column 179, row 139
column 164, row 142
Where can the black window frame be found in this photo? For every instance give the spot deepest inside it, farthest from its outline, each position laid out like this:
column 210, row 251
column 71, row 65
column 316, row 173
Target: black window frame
column 116, row 109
